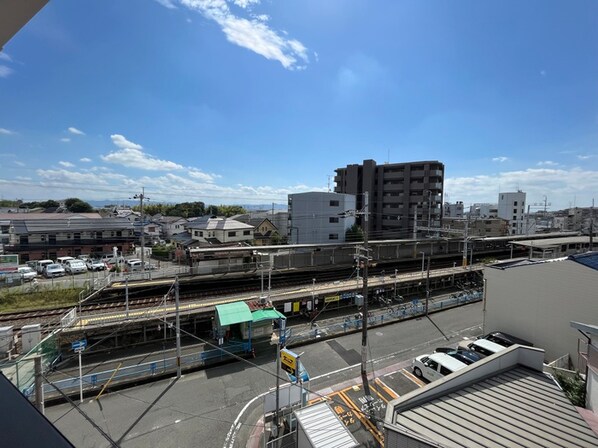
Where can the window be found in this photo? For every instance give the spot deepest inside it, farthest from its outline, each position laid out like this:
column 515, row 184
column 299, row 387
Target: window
column 515, row 210
column 333, row 219
column 445, row 371
column 514, row 203
column 232, row 233
column 119, row 233
column 334, row 203
column 433, row 365
column 200, row 233
column 333, row 236
column 246, row 232
column 68, row 236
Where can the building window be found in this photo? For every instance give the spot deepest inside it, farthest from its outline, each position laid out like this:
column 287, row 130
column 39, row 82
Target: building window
column 68, row 236
column 333, row 219
column 119, row 233
column 514, row 210
column 514, row 218
column 334, row 203
column 232, row 233
column 200, row 234
column 514, row 203
column 246, row 232
column 333, row 236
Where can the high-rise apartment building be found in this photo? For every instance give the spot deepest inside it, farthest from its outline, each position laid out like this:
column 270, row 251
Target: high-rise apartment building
column 402, row 196
column 511, row 206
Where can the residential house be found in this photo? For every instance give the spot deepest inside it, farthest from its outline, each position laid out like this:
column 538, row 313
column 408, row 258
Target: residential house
column 537, row 299
column 34, row 239
column 477, row 226
column 263, row 231
column 214, row 230
column 171, row 225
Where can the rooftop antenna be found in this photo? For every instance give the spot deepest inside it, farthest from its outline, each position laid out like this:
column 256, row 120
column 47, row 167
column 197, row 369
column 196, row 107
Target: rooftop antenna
column 329, row 176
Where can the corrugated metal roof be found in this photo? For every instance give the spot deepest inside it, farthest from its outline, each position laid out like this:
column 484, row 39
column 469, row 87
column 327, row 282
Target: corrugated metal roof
column 218, row 224
column 233, row 313
column 589, row 259
column 517, row 408
column 323, row 428
column 70, row 225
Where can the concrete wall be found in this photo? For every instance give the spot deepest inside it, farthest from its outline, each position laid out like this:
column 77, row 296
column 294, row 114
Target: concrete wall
column 537, row 302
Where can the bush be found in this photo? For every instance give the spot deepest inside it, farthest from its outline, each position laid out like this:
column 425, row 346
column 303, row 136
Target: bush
column 45, row 298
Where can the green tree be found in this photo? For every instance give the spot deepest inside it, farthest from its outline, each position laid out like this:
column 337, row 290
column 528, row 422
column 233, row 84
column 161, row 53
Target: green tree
column 353, row 234
column 77, row 205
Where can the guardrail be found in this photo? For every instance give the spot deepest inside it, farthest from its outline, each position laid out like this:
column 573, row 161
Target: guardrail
column 94, row 381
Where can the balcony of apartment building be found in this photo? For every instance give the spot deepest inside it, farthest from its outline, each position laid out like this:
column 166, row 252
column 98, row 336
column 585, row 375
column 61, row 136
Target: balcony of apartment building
column 393, row 185
column 43, row 242
column 394, row 175
column 392, row 198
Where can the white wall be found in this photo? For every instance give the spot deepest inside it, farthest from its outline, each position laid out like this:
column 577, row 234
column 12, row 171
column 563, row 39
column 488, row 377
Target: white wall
column 537, row 302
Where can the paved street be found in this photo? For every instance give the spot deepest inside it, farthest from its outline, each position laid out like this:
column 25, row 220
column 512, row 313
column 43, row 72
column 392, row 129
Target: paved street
column 200, row 408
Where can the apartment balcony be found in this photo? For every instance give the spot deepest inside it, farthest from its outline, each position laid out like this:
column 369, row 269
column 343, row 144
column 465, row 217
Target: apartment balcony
column 43, row 245
column 393, row 199
column 394, row 175
column 393, row 187
column 435, row 186
column 435, row 173
column 417, row 173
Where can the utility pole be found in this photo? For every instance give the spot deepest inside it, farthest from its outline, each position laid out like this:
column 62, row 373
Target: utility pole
column 141, row 197
column 465, row 243
column 428, row 287
column 364, row 321
column 178, row 327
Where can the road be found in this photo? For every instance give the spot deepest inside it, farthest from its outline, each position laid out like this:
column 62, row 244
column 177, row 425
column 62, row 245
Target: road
column 200, row 408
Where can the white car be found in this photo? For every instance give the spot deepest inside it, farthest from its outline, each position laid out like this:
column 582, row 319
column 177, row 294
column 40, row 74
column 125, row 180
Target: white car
column 95, row 265
column 75, row 267
column 435, row 366
column 27, row 273
column 53, row 270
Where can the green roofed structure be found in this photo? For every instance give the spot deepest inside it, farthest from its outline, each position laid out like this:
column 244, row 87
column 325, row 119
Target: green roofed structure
column 236, row 321
column 233, row 313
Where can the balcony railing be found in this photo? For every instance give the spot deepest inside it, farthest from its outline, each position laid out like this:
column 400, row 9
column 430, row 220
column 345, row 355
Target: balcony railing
column 68, row 243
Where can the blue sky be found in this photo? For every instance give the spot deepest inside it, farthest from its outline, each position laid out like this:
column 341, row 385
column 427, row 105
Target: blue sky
column 245, row 101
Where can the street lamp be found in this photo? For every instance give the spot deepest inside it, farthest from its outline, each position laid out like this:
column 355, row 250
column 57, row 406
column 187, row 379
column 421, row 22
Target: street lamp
column 423, row 261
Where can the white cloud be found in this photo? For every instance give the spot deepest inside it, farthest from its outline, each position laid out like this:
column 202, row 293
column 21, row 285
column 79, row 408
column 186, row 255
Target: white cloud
column 22, row 178
column 17, row 162
column 547, row 163
column 65, row 139
column 66, row 164
column 500, row 159
column 5, row 71
column 130, row 155
column 585, row 157
column 194, row 173
column 5, row 131
column 255, row 35
column 5, row 57
column 75, row 131
column 123, row 143
column 85, row 159
column 167, row 4
column 246, row 3
column 261, row 17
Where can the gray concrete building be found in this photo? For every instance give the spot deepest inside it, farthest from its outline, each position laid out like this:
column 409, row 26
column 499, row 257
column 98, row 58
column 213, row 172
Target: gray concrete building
column 511, row 206
column 314, row 217
column 401, row 195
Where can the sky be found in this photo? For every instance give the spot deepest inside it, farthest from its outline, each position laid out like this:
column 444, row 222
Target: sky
column 246, row 101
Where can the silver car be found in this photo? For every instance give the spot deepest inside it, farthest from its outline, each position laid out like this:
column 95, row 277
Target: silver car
column 53, row 270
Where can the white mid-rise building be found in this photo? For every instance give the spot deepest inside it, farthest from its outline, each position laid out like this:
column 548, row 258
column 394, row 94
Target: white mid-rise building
column 315, row 217
column 453, row 210
column 483, row 210
column 511, row 206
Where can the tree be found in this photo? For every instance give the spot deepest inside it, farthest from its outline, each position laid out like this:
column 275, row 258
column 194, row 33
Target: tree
column 353, row 234
column 77, row 205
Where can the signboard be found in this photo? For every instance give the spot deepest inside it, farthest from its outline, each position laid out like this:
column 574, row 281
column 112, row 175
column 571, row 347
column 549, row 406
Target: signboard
column 9, row 263
column 331, row 299
column 79, row 346
column 288, row 361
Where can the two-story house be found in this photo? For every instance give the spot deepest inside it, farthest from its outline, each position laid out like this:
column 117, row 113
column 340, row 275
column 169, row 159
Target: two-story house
column 220, row 231
column 34, row 239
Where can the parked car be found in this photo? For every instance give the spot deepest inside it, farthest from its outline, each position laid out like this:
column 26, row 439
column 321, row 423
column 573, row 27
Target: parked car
column 505, row 339
column 483, row 347
column 95, row 265
column 435, row 366
column 27, row 273
column 75, row 266
column 62, row 260
column 465, row 356
column 53, row 270
column 41, row 264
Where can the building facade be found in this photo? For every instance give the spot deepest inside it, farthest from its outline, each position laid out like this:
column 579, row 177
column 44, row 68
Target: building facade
column 477, row 226
column 453, row 210
column 220, row 231
column 402, row 196
column 315, row 217
column 34, row 239
column 482, row 210
column 511, row 206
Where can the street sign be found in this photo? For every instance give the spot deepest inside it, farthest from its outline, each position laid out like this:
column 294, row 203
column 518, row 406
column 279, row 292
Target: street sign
column 288, row 361
column 79, row 346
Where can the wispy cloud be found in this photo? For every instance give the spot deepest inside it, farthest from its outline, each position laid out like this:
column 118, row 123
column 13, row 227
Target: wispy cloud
column 19, row 163
column 5, row 71
column 547, row 163
column 585, row 156
column 253, row 34
column 66, row 164
column 167, row 4
column 132, row 156
column 85, row 159
column 200, row 175
column 5, row 131
column 5, row 57
column 65, row 139
column 75, row 131
column 500, row 159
